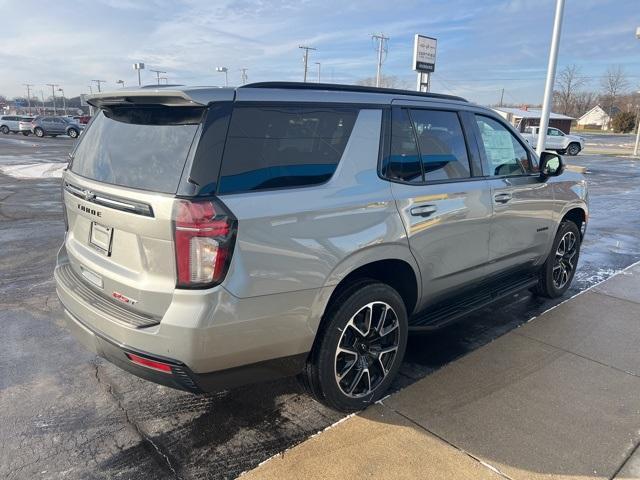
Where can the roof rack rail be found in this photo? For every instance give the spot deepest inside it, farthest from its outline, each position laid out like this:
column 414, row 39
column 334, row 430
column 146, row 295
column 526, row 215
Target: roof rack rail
column 336, row 87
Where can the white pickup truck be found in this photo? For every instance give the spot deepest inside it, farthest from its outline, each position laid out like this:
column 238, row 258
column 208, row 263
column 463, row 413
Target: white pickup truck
column 556, row 140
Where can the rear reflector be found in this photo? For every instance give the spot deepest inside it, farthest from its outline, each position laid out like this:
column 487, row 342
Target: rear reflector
column 145, row 362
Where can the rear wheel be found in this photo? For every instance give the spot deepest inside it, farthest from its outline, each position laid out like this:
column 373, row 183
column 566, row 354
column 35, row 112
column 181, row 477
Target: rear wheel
column 39, row 132
column 358, row 352
column 573, row 149
column 4, row 129
column 560, row 267
column 72, row 132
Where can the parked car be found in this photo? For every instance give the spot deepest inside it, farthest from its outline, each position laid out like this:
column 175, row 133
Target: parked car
column 24, row 125
column 53, row 126
column 556, row 140
column 219, row 237
column 10, row 123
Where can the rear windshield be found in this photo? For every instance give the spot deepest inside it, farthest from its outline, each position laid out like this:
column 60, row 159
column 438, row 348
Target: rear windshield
column 138, row 147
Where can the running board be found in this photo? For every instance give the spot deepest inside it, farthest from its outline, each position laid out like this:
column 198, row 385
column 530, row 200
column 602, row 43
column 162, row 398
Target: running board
column 444, row 313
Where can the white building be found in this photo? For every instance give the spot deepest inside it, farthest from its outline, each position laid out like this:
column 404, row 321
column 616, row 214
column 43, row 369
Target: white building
column 597, row 117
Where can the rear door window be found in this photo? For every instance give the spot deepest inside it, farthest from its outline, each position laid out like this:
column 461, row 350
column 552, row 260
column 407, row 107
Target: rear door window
column 284, row 146
column 442, row 145
column 138, row 147
column 404, row 160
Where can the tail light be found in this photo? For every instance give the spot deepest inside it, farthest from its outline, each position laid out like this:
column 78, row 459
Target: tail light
column 204, row 238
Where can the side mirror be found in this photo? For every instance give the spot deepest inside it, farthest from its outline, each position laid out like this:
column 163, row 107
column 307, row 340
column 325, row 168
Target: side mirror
column 551, row 165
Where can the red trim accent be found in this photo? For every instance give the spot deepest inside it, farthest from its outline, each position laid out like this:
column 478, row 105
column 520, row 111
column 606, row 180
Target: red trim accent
column 145, row 362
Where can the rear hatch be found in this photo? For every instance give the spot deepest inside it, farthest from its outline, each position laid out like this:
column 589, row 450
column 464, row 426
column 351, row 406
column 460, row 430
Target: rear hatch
column 120, row 199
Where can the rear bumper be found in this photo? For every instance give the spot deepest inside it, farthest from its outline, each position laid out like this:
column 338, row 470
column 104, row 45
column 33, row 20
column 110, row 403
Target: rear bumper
column 212, row 339
column 181, row 377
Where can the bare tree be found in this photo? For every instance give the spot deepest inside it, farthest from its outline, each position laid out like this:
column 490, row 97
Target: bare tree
column 583, row 102
column 614, row 82
column 568, row 82
column 386, row 81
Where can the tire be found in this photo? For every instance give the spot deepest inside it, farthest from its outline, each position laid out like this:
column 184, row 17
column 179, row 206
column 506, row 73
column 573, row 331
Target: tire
column 573, row 149
column 358, row 374
column 4, row 129
column 73, row 133
column 39, row 132
column 26, row 134
column 560, row 267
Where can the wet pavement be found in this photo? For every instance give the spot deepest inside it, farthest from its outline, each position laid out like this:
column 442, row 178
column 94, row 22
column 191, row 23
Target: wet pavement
column 66, row 414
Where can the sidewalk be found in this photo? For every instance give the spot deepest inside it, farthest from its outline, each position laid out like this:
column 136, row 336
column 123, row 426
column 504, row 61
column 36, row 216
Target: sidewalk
column 556, row 398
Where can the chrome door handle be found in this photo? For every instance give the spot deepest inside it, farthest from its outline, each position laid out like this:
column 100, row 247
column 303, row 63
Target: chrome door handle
column 423, row 211
column 502, row 197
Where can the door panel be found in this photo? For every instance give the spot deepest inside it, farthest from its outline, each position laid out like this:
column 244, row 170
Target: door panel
column 448, row 226
column 522, row 203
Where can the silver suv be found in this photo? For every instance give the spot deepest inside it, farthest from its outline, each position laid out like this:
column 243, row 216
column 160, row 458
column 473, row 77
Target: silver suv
column 217, row 237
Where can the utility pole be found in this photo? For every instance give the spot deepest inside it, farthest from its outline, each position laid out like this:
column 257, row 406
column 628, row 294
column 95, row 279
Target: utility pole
column 90, row 89
column 44, row 109
column 382, row 49
column 53, row 94
column 157, row 72
column 28, row 85
column 99, row 83
column 64, row 101
column 166, row 80
column 120, row 82
column 243, row 75
column 551, row 75
column 305, row 59
column 501, row 97
column 318, row 64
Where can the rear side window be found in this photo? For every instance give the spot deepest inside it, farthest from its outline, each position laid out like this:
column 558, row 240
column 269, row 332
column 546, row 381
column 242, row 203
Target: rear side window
column 284, row 146
column 404, row 159
column 138, row 147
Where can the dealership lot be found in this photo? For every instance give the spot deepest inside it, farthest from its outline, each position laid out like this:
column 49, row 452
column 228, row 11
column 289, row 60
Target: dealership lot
column 66, row 412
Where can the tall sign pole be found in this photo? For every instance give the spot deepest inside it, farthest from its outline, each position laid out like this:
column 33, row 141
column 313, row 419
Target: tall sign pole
column 424, row 60
column 551, row 75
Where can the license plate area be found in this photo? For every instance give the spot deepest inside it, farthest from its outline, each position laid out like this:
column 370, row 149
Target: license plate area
column 101, row 238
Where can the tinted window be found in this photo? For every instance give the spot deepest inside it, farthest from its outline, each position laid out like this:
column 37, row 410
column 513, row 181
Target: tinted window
column 138, row 147
column 441, row 143
column 283, row 146
column 504, row 153
column 404, row 162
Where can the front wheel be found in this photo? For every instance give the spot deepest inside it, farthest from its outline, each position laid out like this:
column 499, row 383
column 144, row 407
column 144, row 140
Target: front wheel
column 360, row 348
column 560, row 267
column 573, row 149
column 39, row 132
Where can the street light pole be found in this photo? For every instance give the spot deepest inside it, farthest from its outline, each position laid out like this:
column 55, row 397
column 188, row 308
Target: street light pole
column 137, row 67
column 53, row 94
column 224, row 70
column 29, row 85
column 551, row 75
column 635, row 149
column 305, row 59
column 64, row 101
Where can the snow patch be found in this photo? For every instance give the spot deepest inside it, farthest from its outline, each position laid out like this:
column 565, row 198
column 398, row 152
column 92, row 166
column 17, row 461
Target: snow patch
column 34, row 170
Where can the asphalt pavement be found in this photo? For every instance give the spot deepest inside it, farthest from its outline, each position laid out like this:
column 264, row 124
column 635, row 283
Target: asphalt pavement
column 66, row 414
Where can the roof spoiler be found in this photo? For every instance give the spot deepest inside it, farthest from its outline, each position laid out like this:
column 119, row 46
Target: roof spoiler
column 170, row 97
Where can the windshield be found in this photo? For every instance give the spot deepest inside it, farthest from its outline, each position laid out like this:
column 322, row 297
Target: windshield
column 139, row 147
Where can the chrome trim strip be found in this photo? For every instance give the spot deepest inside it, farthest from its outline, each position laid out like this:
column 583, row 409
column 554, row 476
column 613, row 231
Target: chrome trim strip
column 138, row 208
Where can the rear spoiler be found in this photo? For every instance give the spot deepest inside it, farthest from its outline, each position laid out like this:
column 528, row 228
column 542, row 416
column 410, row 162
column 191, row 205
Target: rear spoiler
column 178, row 97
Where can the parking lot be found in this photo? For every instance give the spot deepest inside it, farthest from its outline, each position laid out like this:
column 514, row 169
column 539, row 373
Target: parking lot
column 67, row 414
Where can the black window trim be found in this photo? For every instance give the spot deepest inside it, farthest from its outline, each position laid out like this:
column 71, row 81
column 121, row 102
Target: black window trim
column 483, row 154
column 465, row 134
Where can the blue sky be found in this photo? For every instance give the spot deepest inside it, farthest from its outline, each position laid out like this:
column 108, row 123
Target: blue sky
column 483, row 46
